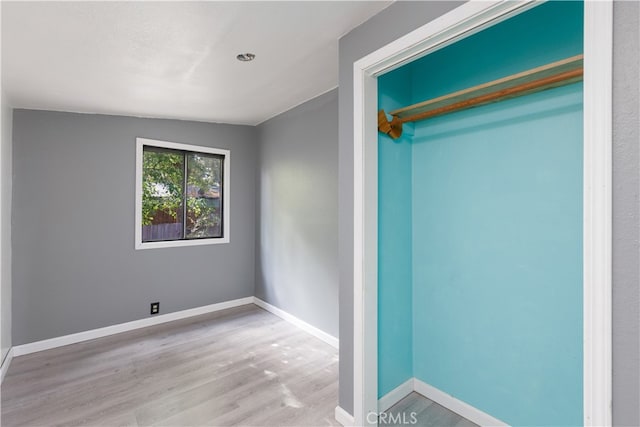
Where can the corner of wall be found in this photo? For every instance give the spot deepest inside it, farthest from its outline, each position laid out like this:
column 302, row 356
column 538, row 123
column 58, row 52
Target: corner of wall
column 5, row 225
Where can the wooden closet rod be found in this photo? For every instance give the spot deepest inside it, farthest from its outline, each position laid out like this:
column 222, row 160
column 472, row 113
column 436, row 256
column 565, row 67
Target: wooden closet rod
column 548, row 76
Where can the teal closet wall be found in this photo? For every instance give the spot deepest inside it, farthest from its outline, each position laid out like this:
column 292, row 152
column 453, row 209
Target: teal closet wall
column 496, row 228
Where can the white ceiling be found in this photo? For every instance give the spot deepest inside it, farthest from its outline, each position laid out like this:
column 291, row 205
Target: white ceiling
column 174, row 59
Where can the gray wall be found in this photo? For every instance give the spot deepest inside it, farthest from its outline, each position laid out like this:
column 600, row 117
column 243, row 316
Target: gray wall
column 626, row 222
column 297, row 230
column 393, row 22
column 5, row 229
column 403, row 17
column 74, row 263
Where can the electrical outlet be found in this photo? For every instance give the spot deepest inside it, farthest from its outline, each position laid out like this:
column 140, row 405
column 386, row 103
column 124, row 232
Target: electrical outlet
column 155, row 307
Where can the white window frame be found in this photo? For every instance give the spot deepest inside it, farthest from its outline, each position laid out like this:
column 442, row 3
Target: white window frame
column 467, row 19
column 139, row 244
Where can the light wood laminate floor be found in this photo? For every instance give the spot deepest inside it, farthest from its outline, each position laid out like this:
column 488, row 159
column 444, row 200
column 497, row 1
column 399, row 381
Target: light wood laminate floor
column 241, row 366
column 424, row 412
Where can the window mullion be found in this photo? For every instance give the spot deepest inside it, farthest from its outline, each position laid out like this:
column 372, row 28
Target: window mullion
column 184, row 197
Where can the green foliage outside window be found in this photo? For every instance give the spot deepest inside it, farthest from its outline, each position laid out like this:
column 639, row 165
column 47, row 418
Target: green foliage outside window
column 162, row 184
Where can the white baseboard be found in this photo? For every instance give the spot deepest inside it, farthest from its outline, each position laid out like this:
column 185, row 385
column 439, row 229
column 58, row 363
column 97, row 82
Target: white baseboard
column 474, row 415
column 329, row 339
column 5, row 364
column 461, row 408
column 33, row 347
column 343, row 417
column 395, row 395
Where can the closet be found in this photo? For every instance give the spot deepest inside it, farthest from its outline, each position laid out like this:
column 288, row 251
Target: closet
column 480, row 221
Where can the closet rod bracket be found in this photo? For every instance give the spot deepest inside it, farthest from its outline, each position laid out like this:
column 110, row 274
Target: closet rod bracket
column 392, row 128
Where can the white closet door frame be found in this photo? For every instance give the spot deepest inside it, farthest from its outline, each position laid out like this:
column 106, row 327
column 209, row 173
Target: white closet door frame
column 467, row 19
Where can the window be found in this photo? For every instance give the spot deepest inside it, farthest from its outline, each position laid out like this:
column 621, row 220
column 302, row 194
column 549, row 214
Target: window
column 182, row 194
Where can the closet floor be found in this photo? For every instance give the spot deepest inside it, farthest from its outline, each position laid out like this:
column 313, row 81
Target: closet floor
column 427, row 414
